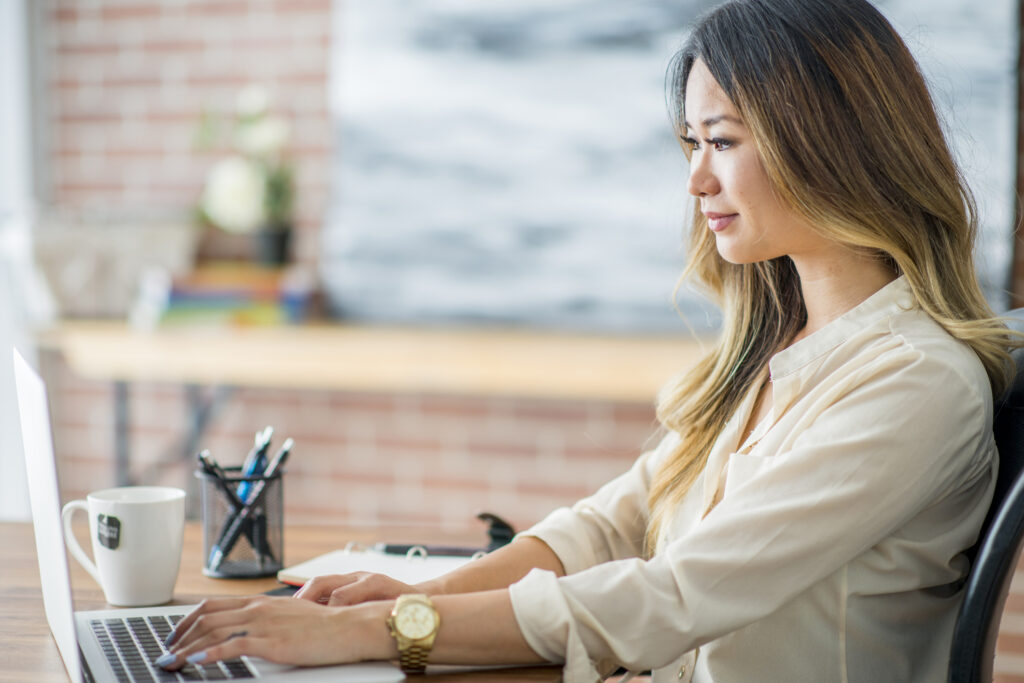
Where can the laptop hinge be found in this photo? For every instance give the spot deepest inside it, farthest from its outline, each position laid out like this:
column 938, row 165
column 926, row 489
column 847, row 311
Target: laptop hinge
column 86, row 671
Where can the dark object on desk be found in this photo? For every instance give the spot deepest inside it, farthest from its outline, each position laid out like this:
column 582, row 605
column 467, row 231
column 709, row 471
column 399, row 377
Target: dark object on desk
column 228, row 518
column 430, row 550
column 250, row 518
column 211, row 468
column 244, row 542
column 999, row 544
column 500, row 533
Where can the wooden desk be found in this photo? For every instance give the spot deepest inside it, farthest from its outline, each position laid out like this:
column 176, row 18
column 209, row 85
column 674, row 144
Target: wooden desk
column 461, row 362
column 29, row 652
column 475, row 362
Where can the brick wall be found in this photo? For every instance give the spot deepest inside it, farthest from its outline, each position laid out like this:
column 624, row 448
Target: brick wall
column 129, row 80
column 125, row 83
column 365, row 458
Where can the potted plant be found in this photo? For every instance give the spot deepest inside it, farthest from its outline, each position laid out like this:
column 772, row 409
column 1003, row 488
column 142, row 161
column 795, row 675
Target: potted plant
column 251, row 191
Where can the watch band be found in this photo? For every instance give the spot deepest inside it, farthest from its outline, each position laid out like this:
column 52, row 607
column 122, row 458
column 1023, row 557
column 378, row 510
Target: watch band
column 413, row 659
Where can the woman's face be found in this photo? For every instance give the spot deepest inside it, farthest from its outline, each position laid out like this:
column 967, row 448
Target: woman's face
column 727, row 177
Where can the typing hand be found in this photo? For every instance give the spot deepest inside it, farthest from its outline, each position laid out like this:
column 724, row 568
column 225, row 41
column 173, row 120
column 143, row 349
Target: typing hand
column 280, row 630
column 337, row 590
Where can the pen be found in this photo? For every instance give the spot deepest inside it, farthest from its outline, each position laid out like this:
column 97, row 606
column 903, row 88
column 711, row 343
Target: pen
column 211, row 467
column 432, row 550
column 278, row 460
column 255, row 461
column 214, row 470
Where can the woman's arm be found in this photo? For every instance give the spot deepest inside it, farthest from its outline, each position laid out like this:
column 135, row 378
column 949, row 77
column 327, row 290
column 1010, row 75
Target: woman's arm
column 607, row 525
column 476, row 628
column 498, row 569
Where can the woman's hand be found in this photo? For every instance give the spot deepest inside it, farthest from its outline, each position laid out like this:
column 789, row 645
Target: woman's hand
column 337, row 590
column 282, row 630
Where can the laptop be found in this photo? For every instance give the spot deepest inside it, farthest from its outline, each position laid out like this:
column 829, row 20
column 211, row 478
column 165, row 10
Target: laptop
column 119, row 645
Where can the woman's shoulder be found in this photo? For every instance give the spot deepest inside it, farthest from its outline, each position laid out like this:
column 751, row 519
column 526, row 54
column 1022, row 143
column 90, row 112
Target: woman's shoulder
column 919, row 332
column 921, row 347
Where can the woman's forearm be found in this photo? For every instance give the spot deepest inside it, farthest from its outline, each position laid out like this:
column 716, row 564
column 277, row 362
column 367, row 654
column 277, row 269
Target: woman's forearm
column 498, row 569
column 476, row 628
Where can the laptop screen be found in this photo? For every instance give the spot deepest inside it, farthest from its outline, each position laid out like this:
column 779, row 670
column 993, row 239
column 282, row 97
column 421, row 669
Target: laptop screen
column 44, row 496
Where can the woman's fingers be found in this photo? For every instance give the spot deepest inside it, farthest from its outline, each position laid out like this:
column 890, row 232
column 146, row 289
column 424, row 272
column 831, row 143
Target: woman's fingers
column 368, row 587
column 279, row 629
column 211, row 626
column 214, row 647
column 318, row 589
column 206, row 607
column 339, row 590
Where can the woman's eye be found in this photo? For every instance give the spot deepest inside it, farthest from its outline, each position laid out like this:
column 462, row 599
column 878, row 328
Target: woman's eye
column 719, row 144
column 692, row 143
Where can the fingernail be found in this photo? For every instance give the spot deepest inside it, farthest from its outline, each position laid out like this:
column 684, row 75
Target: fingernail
column 165, row 659
column 196, row 657
column 170, row 638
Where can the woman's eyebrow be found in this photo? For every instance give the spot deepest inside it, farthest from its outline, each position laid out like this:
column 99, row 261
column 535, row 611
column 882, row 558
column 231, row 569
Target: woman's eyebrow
column 712, row 120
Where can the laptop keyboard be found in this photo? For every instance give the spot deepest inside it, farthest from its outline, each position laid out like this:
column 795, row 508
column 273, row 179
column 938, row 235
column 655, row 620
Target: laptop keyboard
column 131, row 645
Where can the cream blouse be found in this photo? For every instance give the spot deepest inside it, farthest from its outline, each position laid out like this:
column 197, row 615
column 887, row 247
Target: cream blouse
column 836, row 551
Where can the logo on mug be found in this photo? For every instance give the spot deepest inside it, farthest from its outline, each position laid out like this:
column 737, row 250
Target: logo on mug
column 108, row 531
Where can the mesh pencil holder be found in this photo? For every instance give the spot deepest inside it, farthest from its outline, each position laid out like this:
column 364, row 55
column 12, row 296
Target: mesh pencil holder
column 243, row 524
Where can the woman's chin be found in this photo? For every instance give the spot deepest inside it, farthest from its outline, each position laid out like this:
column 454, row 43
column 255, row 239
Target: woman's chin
column 737, row 256
column 740, row 252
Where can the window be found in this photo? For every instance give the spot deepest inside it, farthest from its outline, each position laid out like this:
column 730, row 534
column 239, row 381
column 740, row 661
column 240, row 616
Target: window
column 513, row 161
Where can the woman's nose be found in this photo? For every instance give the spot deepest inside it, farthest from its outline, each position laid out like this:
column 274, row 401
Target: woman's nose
column 702, row 180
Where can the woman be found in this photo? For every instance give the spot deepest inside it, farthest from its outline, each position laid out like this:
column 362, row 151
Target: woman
column 825, row 467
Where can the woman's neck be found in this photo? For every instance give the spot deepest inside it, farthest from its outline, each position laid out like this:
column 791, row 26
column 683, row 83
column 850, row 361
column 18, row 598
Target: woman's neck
column 836, row 280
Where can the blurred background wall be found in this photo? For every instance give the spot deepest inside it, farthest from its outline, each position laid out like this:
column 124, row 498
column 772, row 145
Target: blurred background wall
column 123, row 89
column 16, row 210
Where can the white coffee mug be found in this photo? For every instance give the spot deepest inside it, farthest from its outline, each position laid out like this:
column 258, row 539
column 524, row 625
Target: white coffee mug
column 137, row 534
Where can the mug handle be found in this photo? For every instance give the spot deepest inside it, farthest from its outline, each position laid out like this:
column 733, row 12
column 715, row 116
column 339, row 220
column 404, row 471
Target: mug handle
column 76, row 550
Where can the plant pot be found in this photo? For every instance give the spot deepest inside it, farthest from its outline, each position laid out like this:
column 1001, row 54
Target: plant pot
column 273, row 245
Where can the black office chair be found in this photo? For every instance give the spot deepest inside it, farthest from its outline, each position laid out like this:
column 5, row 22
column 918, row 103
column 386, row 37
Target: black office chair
column 999, row 544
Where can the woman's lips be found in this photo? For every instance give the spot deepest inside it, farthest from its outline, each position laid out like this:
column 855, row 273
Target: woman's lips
column 720, row 221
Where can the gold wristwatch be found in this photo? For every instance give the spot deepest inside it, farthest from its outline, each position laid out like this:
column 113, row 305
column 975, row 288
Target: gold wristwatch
column 414, row 623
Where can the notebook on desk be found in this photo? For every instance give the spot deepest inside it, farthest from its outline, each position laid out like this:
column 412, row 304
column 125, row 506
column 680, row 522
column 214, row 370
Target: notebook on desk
column 120, row 644
column 405, row 568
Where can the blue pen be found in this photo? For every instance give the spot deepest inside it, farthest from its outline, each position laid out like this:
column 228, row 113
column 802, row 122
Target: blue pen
column 255, row 462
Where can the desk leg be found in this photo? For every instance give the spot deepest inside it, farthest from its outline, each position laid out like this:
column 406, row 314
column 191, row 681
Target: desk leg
column 122, row 452
column 200, row 409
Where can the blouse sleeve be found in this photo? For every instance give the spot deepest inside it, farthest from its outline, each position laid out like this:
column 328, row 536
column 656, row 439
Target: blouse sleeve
column 609, row 525
column 909, row 432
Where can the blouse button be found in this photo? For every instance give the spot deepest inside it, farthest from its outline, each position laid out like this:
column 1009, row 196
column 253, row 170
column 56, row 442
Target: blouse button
column 682, row 671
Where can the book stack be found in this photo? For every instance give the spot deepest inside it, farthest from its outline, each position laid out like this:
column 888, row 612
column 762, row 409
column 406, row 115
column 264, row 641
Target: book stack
column 226, row 294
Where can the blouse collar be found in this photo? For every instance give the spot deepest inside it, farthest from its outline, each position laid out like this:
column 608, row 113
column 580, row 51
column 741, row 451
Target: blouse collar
column 894, row 297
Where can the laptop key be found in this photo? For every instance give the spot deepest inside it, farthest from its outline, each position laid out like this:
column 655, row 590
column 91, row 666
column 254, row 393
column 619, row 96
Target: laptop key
column 109, row 651
column 190, row 673
column 237, row 668
column 212, row 672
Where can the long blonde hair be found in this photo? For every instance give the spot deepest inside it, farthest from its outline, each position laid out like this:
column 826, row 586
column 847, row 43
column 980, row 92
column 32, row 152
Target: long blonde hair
column 848, row 134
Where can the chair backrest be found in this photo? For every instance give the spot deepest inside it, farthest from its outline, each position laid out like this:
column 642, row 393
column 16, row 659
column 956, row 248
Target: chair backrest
column 999, row 543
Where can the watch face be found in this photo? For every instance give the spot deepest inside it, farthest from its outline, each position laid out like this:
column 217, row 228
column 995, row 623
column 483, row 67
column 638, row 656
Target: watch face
column 415, row 620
